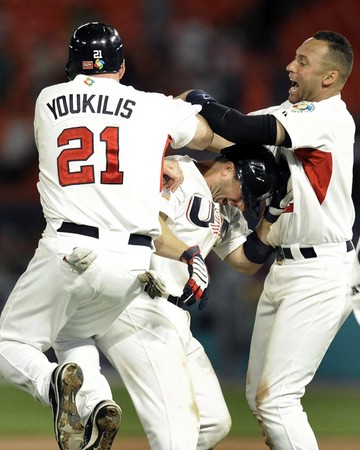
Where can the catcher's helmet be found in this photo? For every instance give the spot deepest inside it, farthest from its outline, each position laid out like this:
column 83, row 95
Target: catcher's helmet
column 257, row 171
column 95, row 47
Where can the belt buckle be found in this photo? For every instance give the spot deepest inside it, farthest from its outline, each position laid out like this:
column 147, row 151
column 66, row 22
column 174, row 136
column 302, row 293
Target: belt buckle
column 279, row 255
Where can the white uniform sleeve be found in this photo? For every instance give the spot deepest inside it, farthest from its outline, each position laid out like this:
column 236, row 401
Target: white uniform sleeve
column 182, row 133
column 235, row 235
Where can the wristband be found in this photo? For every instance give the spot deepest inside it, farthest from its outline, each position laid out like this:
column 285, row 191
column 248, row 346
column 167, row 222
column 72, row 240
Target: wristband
column 272, row 214
column 255, row 250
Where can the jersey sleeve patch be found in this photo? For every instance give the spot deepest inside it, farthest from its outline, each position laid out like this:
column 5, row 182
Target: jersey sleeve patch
column 303, row 107
column 166, row 194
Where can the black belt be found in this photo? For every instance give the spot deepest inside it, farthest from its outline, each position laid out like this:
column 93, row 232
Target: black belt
column 86, row 230
column 307, row 252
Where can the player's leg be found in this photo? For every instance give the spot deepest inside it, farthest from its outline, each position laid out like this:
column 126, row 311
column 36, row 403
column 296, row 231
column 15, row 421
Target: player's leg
column 215, row 419
column 100, row 414
column 308, row 317
column 148, row 353
column 31, row 319
column 83, row 352
column 264, row 319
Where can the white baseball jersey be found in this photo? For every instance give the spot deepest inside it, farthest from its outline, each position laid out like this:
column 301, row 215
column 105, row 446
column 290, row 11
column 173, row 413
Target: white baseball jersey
column 197, row 220
column 320, row 163
column 106, row 173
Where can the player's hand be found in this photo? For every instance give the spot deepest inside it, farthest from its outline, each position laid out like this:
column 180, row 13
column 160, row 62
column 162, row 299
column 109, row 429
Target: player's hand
column 199, row 97
column 80, row 258
column 153, row 285
column 195, row 289
column 173, row 175
column 282, row 195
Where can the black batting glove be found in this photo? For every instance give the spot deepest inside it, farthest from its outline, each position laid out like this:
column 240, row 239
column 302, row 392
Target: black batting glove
column 282, row 195
column 199, row 97
column 195, row 289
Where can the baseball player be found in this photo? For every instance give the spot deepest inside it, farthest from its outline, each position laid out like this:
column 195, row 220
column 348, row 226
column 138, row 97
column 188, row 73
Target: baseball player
column 164, row 368
column 99, row 186
column 304, row 301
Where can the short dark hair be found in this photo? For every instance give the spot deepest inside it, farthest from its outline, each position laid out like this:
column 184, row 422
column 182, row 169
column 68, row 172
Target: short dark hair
column 340, row 51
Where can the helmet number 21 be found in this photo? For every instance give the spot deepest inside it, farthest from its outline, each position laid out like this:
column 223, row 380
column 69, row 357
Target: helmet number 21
column 86, row 175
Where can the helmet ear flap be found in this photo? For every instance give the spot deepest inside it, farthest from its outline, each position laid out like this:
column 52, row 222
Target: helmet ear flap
column 70, row 70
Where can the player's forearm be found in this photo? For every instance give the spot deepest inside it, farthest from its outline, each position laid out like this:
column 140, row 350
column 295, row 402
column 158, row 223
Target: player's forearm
column 237, row 127
column 250, row 256
column 238, row 261
column 168, row 245
column 203, row 136
column 218, row 143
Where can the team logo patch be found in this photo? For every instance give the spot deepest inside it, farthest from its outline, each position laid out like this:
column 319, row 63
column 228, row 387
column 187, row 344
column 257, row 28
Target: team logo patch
column 303, row 107
column 99, row 64
column 89, row 81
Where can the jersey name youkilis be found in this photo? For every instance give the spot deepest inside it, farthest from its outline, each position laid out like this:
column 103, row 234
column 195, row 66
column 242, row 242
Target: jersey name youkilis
column 197, row 220
column 101, row 146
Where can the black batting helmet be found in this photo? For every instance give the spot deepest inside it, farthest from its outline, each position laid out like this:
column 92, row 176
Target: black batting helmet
column 95, row 47
column 257, row 171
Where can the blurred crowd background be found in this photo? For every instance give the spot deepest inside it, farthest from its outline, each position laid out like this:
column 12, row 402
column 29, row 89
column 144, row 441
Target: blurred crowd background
column 237, row 50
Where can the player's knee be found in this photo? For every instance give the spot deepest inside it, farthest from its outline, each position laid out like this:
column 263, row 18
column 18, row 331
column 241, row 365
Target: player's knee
column 225, row 426
column 251, row 399
column 270, row 404
column 220, row 428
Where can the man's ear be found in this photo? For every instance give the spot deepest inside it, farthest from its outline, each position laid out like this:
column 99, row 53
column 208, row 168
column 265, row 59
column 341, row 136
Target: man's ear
column 330, row 78
column 229, row 168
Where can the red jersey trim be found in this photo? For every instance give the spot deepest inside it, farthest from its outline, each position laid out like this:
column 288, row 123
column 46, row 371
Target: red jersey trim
column 318, row 168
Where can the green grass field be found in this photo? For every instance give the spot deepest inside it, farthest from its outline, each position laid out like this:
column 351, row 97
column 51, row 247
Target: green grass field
column 332, row 412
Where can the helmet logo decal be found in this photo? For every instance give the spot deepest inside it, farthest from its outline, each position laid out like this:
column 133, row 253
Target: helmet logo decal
column 99, row 64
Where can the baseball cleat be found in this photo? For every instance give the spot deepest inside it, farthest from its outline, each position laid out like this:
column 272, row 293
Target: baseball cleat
column 66, row 381
column 102, row 426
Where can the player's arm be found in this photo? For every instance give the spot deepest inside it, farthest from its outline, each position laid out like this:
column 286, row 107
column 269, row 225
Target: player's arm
column 234, row 126
column 169, row 246
column 250, row 256
column 218, row 143
column 203, row 136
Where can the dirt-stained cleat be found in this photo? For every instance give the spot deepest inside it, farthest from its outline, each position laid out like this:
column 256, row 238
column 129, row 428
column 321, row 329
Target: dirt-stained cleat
column 102, row 426
column 66, row 381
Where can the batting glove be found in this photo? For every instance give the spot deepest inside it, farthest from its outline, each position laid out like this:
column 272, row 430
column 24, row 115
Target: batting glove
column 282, row 196
column 196, row 287
column 154, row 285
column 80, row 258
column 199, row 97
